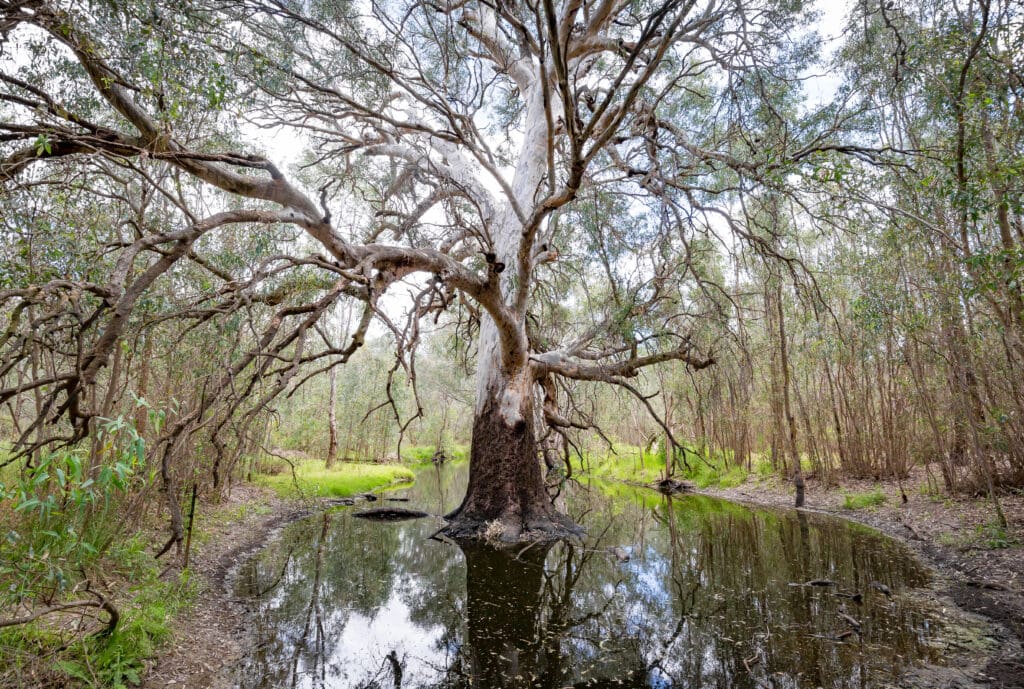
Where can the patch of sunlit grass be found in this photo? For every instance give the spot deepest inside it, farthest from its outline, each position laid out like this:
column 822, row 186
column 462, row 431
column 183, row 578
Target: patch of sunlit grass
column 632, row 465
column 859, row 501
column 344, row 479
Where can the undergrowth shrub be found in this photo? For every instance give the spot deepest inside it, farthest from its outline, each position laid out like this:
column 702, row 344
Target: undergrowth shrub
column 859, row 501
column 68, row 535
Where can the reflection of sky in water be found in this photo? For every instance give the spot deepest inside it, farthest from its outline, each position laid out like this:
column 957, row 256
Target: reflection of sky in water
column 392, row 629
column 650, row 574
column 704, row 601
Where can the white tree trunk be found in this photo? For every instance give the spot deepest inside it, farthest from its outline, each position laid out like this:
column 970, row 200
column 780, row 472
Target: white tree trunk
column 332, row 420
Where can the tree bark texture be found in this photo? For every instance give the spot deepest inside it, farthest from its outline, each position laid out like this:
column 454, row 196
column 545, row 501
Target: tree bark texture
column 506, row 500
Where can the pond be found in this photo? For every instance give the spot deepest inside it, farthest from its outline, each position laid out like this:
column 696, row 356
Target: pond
column 663, row 592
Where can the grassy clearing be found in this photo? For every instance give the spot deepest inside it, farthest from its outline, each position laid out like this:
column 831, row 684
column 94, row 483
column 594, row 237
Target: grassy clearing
column 860, row 501
column 344, row 479
column 632, row 465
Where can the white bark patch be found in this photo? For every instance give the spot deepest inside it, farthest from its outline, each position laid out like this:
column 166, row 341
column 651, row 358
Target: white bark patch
column 511, row 406
column 488, row 371
column 493, row 374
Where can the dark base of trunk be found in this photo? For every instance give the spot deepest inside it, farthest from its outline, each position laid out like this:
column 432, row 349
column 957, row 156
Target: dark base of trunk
column 506, row 501
column 511, row 530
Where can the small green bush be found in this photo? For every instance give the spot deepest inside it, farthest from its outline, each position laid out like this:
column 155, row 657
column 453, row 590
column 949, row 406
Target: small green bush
column 64, row 515
column 64, row 522
column 103, row 661
column 859, row 501
column 994, row 536
column 118, row 660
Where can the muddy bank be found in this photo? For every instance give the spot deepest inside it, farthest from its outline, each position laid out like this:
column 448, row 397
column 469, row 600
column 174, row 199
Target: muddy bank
column 978, row 567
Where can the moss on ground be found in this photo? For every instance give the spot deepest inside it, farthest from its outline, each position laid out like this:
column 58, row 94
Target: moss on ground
column 344, row 479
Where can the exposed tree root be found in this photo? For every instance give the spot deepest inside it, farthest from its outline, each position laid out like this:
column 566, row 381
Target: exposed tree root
column 512, row 531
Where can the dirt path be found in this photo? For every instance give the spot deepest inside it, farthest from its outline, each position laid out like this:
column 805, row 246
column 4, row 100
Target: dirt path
column 980, row 567
column 206, row 638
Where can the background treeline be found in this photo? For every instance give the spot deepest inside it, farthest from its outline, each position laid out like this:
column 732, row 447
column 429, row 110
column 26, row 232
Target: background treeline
column 888, row 321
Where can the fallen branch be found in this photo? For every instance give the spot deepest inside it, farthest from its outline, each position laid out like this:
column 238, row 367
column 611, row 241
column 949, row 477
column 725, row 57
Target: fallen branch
column 100, row 602
column 850, row 621
column 390, row 514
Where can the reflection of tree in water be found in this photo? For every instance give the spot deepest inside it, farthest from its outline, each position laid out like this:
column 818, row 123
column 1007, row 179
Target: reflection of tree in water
column 307, row 585
column 732, row 572
column 523, row 622
column 297, row 648
column 704, row 600
column 312, row 636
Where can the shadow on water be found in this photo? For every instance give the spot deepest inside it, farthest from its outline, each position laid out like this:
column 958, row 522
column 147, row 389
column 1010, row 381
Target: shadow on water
column 684, row 592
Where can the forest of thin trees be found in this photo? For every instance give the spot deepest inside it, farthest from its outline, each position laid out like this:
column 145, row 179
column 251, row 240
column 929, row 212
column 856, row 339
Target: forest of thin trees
column 586, row 225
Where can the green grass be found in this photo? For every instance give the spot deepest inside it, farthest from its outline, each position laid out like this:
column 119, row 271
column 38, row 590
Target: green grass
column 628, row 463
column 732, row 477
column 859, row 501
column 763, row 468
column 632, row 465
column 344, row 479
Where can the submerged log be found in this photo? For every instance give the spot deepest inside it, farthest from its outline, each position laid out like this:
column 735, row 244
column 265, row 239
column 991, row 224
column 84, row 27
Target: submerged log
column 390, row 514
column 672, row 486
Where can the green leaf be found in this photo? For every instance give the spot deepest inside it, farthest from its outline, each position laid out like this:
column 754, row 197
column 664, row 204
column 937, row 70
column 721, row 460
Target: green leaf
column 27, row 505
column 43, row 145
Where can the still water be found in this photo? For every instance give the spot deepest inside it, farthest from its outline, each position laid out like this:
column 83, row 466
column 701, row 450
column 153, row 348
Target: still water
column 664, row 592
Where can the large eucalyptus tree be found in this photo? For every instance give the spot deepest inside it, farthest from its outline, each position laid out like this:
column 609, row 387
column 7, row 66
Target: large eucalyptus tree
column 511, row 163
